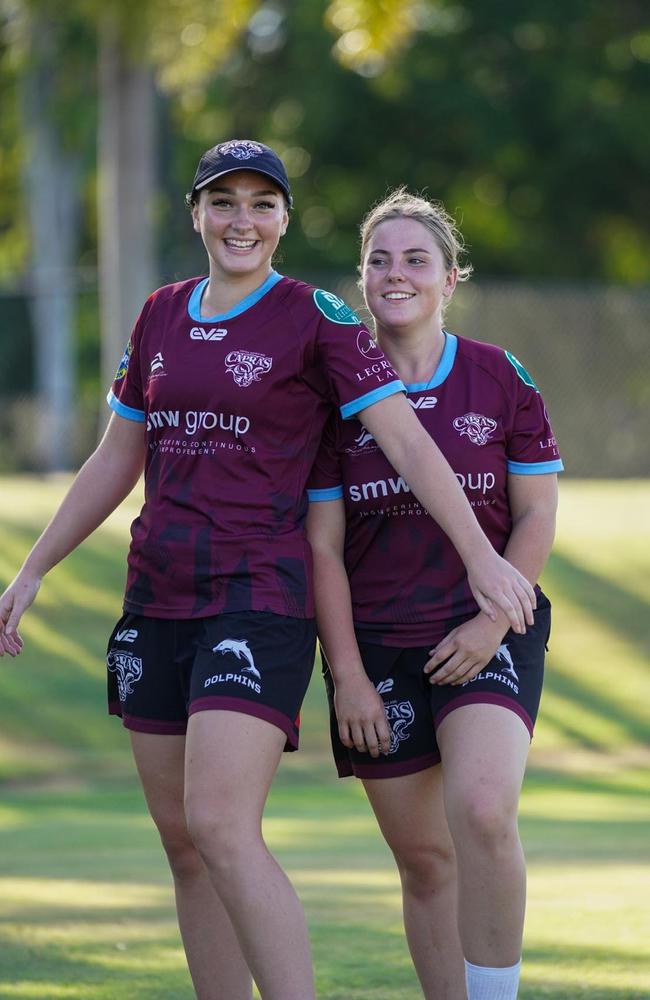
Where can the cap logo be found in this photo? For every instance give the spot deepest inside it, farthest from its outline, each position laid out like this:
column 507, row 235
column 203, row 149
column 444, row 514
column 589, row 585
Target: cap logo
column 240, row 149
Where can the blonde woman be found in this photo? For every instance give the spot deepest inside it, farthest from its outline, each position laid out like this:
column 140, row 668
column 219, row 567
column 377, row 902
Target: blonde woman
column 416, row 673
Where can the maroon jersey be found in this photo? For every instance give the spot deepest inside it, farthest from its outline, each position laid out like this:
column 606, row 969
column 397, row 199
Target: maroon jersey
column 234, row 407
column 488, row 419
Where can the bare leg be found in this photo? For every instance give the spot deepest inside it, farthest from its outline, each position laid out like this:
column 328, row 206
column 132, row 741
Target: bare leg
column 216, row 964
column 484, row 750
column 230, row 762
column 410, row 812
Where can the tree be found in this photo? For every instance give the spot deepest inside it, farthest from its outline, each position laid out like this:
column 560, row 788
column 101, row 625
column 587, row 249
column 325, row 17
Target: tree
column 179, row 46
column 52, row 172
column 156, row 44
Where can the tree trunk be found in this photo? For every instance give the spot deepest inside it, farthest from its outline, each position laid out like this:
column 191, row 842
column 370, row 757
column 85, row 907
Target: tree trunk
column 126, row 191
column 52, row 176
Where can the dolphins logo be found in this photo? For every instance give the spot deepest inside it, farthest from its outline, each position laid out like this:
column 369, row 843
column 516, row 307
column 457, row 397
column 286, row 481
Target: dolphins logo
column 240, row 649
column 503, row 653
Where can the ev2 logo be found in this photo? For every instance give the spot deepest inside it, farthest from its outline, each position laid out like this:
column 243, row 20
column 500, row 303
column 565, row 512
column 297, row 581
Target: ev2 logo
column 126, row 635
column 423, row 402
column 200, row 333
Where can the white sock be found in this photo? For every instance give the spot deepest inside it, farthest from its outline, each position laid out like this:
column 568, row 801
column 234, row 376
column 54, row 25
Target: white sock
column 484, row 983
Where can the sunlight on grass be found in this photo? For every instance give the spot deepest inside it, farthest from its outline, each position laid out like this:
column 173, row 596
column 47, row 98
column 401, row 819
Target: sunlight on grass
column 38, row 991
column 58, row 929
column 86, row 904
column 567, row 912
column 576, row 721
column 616, row 513
column 295, row 830
column 30, row 501
column 349, row 877
column 64, row 893
column 586, row 807
column 55, row 643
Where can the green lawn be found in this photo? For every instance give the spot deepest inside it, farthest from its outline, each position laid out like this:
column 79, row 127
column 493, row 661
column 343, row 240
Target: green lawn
column 85, row 901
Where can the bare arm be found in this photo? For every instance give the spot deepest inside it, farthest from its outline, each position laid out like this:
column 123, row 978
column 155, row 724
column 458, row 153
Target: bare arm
column 417, row 458
column 359, row 709
column 102, row 483
column 466, row 650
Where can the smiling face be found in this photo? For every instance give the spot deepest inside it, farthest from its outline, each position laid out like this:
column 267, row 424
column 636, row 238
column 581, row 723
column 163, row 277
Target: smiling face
column 241, row 219
column 405, row 278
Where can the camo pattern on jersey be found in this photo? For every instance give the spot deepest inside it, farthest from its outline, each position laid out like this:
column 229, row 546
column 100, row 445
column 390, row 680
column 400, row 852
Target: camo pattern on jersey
column 233, row 408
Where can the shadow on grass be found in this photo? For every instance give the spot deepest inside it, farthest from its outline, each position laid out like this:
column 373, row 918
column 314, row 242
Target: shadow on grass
column 97, row 560
column 554, row 991
column 595, row 960
column 621, row 783
column 549, row 841
column 600, row 596
column 104, row 972
column 622, row 611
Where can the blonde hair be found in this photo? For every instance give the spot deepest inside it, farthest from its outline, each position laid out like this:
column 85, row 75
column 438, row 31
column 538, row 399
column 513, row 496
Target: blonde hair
column 401, row 204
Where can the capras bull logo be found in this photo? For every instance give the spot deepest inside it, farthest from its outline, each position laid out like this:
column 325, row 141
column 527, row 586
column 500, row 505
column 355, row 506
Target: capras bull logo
column 128, row 669
column 478, row 428
column 400, row 715
column 247, row 367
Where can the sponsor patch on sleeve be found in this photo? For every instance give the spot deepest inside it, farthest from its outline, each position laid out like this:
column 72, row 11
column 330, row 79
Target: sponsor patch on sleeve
column 334, row 308
column 521, row 371
column 123, row 366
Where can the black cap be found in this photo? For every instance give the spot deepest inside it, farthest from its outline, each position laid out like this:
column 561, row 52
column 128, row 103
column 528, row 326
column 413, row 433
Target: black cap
column 240, row 154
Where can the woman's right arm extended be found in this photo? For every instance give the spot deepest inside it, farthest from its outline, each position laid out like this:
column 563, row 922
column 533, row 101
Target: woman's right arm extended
column 102, row 483
column 359, row 709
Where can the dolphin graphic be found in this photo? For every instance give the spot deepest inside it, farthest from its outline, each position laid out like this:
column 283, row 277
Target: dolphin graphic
column 240, row 648
column 503, row 653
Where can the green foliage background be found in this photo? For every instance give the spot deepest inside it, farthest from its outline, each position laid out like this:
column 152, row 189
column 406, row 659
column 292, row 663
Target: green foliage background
column 527, row 120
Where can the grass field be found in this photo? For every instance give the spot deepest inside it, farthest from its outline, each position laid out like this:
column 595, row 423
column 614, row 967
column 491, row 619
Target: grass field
column 85, row 900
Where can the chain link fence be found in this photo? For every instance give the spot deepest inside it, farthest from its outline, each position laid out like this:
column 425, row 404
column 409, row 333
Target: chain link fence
column 587, row 347
column 588, row 350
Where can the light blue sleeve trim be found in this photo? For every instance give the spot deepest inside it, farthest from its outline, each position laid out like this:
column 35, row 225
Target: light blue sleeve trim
column 332, row 493
column 536, row 468
column 128, row 412
column 194, row 304
column 352, row 408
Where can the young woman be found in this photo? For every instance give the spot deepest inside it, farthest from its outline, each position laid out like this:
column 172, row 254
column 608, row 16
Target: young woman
column 416, row 672
column 221, row 396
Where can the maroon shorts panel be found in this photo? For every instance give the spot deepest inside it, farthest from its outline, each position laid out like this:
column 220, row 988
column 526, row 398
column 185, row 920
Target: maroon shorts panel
column 160, row 671
column 414, row 707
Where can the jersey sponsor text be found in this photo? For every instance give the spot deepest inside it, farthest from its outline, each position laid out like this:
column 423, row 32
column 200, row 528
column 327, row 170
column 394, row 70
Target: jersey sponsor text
column 198, row 420
column 481, row 482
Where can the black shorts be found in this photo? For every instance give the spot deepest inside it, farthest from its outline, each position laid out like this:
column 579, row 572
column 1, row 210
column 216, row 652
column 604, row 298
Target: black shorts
column 415, row 708
column 161, row 671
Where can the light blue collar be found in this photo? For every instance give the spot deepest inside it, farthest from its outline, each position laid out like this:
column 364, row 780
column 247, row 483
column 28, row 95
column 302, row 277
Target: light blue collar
column 194, row 305
column 445, row 365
